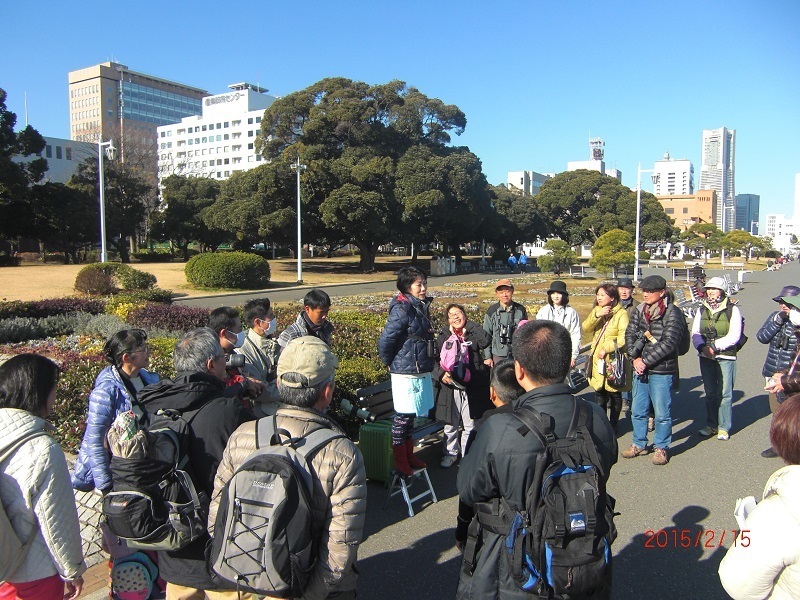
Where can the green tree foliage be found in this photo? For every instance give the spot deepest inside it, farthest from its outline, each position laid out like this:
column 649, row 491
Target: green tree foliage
column 18, row 178
column 702, row 237
column 583, row 205
column 738, row 240
column 184, row 199
column 515, row 218
column 66, row 219
column 613, row 250
column 126, row 195
column 379, row 166
column 559, row 257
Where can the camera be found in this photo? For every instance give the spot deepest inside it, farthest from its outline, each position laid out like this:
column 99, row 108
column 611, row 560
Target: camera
column 783, row 342
column 348, row 409
column 234, row 361
column 638, row 345
column 505, row 339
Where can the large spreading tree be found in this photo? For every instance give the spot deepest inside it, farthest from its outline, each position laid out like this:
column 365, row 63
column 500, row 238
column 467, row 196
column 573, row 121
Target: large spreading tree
column 583, row 205
column 18, row 178
column 379, row 165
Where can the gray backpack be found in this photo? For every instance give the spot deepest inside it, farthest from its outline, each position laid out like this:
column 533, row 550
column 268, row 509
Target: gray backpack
column 12, row 549
column 265, row 538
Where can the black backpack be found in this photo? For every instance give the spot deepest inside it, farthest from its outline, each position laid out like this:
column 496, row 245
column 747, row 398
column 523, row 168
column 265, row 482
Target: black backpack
column 265, row 538
column 154, row 504
column 559, row 545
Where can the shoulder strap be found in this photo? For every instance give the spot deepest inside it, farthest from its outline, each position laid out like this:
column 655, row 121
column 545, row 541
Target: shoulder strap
column 537, row 423
column 306, row 446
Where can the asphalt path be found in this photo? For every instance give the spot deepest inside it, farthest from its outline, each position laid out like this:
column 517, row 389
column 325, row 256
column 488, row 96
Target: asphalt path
column 692, row 497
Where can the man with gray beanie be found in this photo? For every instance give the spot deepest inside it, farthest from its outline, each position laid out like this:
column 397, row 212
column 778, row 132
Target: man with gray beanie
column 339, row 487
column 652, row 339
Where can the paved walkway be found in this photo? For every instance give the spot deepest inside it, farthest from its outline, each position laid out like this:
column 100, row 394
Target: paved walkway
column 403, row 558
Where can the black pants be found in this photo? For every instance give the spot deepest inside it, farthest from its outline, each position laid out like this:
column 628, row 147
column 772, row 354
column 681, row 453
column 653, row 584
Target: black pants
column 610, row 401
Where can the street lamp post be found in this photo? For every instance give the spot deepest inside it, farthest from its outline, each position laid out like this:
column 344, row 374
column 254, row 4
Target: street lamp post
column 110, row 151
column 299, row 168
column 654, row 177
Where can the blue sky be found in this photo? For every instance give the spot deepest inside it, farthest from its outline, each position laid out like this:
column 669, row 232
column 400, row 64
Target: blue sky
column 535, row 79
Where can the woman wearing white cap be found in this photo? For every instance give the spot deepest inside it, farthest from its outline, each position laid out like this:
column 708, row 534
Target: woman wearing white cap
column 716, row 333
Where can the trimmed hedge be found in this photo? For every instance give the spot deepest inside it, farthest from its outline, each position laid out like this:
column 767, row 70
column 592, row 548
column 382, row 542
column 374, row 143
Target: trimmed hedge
column 108, row 278
column 169, row 317
column 153, row 257
column 232, row 270
column 48, row 308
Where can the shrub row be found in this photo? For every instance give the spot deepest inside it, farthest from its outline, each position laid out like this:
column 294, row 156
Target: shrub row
column 153, row 257
column 9, row 261
column 53, row 306
column 231, row 270
column 169, row 317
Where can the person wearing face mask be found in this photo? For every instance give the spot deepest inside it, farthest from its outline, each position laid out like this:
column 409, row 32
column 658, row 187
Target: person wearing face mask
column 716, row 331
column 779, row 332
column 786, row 384
column 225, row 322
column 260, row 350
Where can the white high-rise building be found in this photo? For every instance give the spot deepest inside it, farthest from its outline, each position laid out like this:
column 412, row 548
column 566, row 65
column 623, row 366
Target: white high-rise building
column 783, row 232
column 218, row 142
column 675, row 176
column 596, row 160
column 527, row 182
column 717, row 172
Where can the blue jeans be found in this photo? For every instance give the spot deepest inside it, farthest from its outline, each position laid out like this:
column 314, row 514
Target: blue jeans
column 718, row 379
column 658, row 391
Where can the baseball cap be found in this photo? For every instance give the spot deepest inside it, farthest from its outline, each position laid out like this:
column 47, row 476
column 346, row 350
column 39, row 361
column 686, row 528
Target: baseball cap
column 503, row 282
column 310, row 357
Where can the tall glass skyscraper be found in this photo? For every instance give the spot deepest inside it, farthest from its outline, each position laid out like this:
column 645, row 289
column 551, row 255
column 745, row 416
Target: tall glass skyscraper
column 747, row 212
column 717, row 172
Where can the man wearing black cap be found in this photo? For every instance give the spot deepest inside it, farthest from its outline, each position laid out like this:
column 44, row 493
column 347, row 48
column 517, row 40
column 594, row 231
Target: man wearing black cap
column 653, row 337
column 779, row 332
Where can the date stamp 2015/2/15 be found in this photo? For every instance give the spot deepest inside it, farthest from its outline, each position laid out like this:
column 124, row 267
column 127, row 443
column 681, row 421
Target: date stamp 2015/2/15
column 694, row 538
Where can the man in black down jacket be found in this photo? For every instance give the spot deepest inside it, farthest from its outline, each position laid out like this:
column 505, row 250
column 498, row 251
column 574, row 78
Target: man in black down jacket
column 501, row 461
column 653, row 337
column 197, row 392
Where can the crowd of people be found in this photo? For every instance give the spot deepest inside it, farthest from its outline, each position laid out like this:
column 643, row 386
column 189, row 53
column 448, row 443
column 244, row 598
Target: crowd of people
column 474, row 377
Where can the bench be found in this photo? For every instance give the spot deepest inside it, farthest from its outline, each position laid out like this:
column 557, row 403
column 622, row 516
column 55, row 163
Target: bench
column 579, row 271
column 626, row 272
column 374, row 404
column 688, row 303
column 694, row 263
column 659, row 263
column 733, row 286
column 690, row 274
column 733, row 265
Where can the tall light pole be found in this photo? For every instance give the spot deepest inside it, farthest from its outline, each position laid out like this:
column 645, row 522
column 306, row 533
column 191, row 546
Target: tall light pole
column 654, row 177
column 110, row 150
column 299, row 168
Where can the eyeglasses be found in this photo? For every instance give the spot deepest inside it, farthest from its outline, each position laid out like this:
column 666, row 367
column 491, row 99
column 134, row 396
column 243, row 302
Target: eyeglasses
column 455, row 317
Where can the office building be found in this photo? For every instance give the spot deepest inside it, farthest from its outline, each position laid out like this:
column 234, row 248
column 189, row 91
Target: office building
column 717, row 172
column 63, row 157
column 686, row 210
column 747, row 212
column 526, row 182
column 111, row 101
column 783, row 231
column 675, row 176
column 596, row 160
column 220, row 140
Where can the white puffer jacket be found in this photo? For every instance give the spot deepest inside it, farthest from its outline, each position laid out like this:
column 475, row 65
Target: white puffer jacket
column 35, row 489
column 769, row 566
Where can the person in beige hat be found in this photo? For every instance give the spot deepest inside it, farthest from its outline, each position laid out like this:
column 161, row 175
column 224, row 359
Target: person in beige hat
column 501, row 321
column 339, row 499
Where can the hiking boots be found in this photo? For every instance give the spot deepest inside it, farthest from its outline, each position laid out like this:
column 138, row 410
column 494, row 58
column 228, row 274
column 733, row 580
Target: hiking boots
column 634, row 451
column 769, row 453
column 661, row 456
column 707, row 431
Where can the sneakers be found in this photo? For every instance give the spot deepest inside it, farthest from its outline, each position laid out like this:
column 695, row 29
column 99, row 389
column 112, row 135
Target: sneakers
column 634, row 451
column 651, row 424
column 769, row 453
column 707, row 431
column 448, row 461
column 722, row 435
column 661, row 457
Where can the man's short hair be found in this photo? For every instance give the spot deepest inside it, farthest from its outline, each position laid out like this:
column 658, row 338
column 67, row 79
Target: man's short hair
column 194, row 350
column 544, row 350
column 504, row 381
column 317, row 299
column 224, row 317
column 255, row 309
column 302, row 397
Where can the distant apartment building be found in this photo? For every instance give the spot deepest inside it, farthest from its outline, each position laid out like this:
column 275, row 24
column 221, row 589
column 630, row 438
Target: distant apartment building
column 111, row 102
column 675, row 176
column 717, row 172
column 686, row 210
column 784, row 232
column 219, row 141
column 596, row 160
column 527, row 182
column 747, row 206
column 63, row 157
